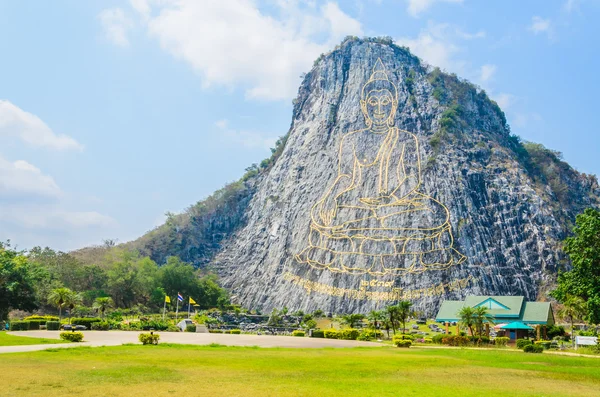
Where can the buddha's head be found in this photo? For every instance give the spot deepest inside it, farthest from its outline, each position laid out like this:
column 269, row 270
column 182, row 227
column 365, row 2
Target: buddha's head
column 379, row 98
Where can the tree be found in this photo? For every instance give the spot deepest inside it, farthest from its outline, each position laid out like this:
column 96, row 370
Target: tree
column 393, row 315
column 467, row 318
column 59, row 298
column 73, row 300
column 376, row 318
column 583, row 280
column 352, row 319
column 481, row 316
column 103, row 303
column 574, row 307
column 404, row 311
column 16, row 282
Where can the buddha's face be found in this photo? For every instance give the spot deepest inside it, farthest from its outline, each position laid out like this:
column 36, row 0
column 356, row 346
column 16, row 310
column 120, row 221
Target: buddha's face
column 378, row 106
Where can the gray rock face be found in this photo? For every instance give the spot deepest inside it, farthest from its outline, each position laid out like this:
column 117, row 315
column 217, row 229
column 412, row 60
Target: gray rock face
column 440, row 202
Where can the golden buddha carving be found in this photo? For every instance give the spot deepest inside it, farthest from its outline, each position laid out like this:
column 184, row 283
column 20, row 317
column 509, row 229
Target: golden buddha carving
column 374, row 219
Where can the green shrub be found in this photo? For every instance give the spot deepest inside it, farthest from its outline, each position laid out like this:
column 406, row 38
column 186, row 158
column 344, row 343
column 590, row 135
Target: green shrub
column 480, row 340
column 427, row 340
column 532, row 348
column 71, row 336
column 53, row 325
column 404, row 337
column 501, row 341
column 348, row 334
column 521, row 343
column 101, row 326
column 298, row 333
column 34, row 324
column 149, row 339
column 455, row 340
column 190, row 328
column 438, row 338
column 85, row 321
column 42, row 319
column 331, row 334
column 157, row 325
column 235, row 331
column 19, row 326
column 318, row 333
column 402, row 342
column 370, row 334
column 545, row 344
column 215, row 331
column 172, row 328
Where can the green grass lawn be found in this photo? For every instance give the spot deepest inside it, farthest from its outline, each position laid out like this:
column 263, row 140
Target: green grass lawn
column 12, row 340
column 172, row 370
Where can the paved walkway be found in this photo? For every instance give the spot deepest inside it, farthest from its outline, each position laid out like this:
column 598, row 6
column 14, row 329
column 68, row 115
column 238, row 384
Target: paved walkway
column 116, row 338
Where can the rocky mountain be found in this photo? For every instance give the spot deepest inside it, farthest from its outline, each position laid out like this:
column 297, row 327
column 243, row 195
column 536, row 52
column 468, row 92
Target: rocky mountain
column 395, row 181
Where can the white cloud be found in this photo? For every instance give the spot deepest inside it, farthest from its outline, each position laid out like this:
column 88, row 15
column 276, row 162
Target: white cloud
column 522, row 120
column 487, row 71
column 15, row 122
column 236, row 42
column 416, row 7
column 249, row 139
column 540, row 25
column 437, row 45
column 22, row 179
column 116, row 25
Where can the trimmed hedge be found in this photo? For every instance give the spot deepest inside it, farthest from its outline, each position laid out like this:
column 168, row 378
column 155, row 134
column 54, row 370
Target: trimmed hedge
column 402, row 342
column 34, row 325
column 154, row 325
column 531, row 348
column 544, row 343
column 71, row 336
column 331, row 334
column 235, row 331
column 149, row 339
column 101, row 326
column 298, row 333
column 85, row 321
column 52, row 325
column 501, row 341
column 19, row 326
column 348, row 334
column 521, row 343
column 456, row 340
column 190, row 328
column 215, row 331
column 318, row 333
column 370, row 334
column 42, row 319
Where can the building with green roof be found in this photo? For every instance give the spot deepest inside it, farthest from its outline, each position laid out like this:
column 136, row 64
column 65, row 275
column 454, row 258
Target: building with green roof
column 503, row 309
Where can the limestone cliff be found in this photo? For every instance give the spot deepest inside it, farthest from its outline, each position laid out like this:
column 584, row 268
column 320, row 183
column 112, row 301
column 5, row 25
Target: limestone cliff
column 465, row 207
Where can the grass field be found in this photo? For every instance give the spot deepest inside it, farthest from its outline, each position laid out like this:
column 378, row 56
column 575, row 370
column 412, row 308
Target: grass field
column 11, row 340
column 171, row 370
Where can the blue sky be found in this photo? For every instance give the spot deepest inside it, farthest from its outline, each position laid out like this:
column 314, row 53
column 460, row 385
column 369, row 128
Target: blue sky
column 114, row 112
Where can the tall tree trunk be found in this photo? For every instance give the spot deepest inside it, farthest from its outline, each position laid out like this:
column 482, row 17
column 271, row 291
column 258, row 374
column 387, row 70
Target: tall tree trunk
column 59, row 313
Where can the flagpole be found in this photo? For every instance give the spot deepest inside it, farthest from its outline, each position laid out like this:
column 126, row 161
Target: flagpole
column 177, row 310
column 189, row 306
column 164, row 309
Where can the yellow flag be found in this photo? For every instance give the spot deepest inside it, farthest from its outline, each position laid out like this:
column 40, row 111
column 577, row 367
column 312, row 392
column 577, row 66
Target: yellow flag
column 192, row 302
column 167, row 299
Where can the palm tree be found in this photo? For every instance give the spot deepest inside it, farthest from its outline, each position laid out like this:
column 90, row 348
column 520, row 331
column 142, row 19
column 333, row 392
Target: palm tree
column 101, row 304
column 573, row 307
column 73, row 299
column 352, row 319
column 467, row 317
column 481, row 315
column 375, row 319
column 59, row 297
column 392, row 312
column 404, row 311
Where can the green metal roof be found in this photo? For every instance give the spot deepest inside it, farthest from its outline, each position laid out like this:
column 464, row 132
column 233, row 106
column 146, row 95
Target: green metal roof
column 504, row 309
column 516, row 325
